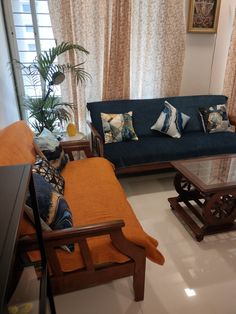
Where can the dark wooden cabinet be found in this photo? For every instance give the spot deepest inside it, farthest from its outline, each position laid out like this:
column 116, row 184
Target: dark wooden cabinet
column 15, row 183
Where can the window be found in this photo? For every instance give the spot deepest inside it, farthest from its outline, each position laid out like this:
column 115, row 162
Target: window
column 31, row 47
column 26, row 7
column 29, row 29
column 30, row 32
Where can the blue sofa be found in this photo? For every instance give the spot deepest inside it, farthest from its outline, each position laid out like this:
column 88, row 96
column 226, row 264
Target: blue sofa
column 155, row 150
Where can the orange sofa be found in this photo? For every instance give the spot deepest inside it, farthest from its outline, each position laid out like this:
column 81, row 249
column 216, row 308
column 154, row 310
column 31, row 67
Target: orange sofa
column 109, row 241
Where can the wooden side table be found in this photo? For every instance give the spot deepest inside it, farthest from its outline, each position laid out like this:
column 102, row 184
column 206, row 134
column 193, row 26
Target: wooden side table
column 77, row 143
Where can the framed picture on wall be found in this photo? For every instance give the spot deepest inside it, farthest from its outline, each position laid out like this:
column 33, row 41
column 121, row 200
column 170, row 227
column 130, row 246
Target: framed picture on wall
column 203, row 16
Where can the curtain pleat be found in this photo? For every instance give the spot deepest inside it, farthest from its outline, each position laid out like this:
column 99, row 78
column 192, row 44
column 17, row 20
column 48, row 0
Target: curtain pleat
column 230, row 75
column 81, row 22
column 158, row 34
column 116, row 79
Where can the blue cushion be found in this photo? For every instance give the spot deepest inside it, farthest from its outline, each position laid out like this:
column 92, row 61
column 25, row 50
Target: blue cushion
column 53, row 208
column 146, row 111
column 43, row 191
column 163, row 148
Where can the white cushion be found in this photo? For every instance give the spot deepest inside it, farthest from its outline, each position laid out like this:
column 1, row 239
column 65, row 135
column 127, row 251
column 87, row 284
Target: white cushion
column 171, row 121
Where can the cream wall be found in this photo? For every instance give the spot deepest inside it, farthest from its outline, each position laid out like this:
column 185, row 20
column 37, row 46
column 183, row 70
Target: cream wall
column 8, row 103
column 206, row 55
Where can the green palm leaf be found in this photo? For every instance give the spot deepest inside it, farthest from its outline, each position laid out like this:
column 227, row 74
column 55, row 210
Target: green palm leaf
column 48, row 110
column 44, row 63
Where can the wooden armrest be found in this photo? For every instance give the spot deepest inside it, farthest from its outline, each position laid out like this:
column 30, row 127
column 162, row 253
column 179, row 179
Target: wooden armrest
column 232, row 120
column 93, row 130
column 70, row 235
column 97, row 140
column 90, row 271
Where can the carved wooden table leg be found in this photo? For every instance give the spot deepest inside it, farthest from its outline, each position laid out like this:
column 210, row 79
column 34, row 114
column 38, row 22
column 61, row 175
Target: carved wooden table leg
column 206, row 201
column 220, row 210
column 216, row 211
column 187, row 192
column 184, row 187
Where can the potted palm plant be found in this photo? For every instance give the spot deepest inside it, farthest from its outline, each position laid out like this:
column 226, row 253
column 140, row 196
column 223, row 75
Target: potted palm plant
column 46, row 111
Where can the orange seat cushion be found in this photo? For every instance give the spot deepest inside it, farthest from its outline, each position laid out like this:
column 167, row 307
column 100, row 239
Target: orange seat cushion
column 95, row 195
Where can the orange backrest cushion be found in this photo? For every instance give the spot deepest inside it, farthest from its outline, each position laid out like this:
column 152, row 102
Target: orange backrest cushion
column 16, row 145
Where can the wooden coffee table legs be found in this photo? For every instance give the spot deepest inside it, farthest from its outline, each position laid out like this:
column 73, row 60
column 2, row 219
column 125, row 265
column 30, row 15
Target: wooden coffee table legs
column 201, row 213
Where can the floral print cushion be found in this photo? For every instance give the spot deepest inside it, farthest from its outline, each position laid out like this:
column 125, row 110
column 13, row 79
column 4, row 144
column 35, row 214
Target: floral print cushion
column 215, row 119
column 118, row 127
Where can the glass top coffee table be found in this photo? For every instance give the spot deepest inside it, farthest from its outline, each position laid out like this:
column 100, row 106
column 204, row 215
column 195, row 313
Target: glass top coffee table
column 206, row 201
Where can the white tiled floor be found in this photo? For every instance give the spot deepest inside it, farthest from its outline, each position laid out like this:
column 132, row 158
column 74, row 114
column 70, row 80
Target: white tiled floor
column 208, row 267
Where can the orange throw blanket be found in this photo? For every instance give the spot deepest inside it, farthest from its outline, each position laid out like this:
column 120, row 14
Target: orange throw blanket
column 94, row 195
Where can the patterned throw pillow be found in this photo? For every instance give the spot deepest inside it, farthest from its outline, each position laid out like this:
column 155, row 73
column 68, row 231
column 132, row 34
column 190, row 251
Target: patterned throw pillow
column 215, row 119
column 57, row 157
column 171, row 121
column 118, row 127
column 29, row 212
column 49, row 173
column 51, row 148
column 53, row 208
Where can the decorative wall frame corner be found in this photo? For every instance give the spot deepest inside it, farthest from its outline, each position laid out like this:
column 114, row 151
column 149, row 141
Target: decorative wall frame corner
column 203, row 16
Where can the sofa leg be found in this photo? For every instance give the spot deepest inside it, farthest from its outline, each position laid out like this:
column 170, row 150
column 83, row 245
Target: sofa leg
column 138, row 256
column 139, row 281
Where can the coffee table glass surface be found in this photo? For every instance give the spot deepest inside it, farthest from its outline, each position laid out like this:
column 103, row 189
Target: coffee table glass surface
column 210, row 173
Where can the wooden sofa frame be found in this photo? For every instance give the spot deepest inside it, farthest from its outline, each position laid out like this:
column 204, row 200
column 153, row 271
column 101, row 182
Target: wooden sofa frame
column 91, row 275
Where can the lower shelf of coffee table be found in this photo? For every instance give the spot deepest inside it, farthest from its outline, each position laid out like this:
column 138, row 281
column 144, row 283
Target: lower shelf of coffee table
column 195, row 224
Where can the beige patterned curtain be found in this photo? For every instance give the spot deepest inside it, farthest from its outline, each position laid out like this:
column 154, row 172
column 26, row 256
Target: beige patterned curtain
column 82, row 22
column 116, row 79
column 136, row 48
column 157, row 47
column 230, row 75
